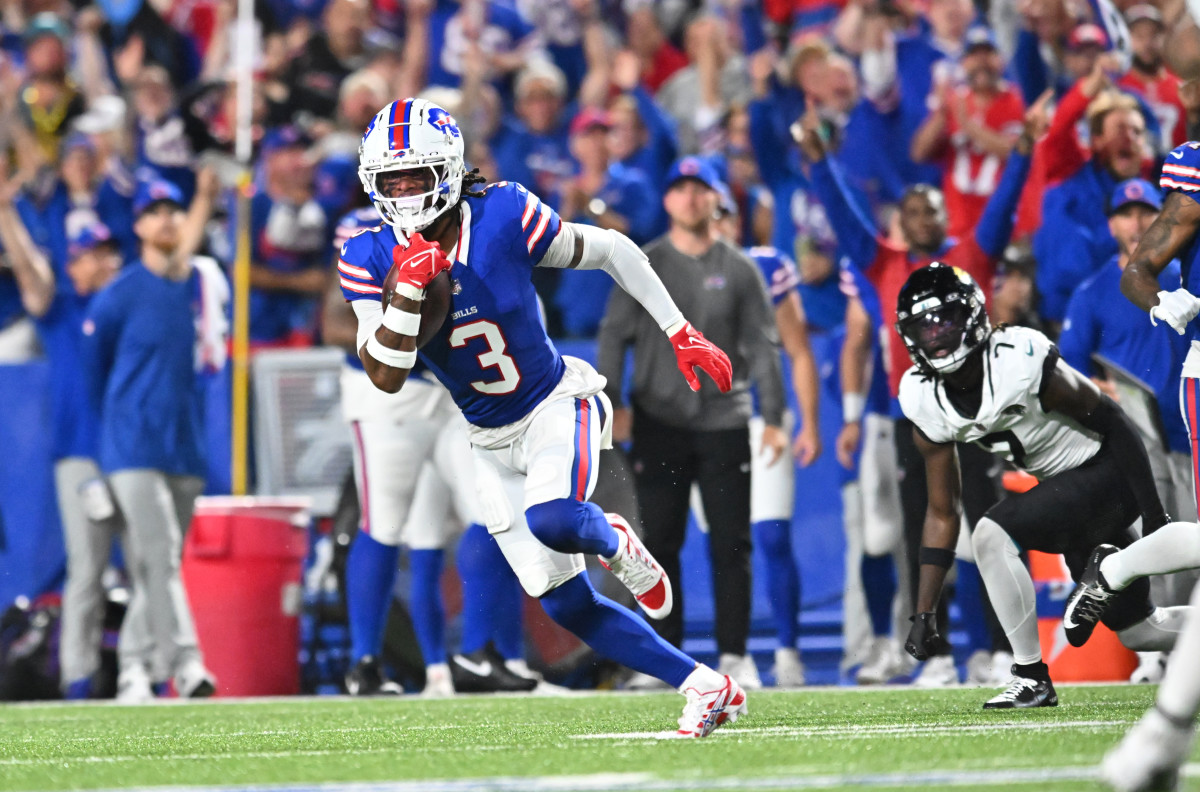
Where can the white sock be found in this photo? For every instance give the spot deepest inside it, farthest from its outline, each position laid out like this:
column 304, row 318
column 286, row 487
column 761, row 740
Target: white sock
column 1010, row 589
column 703, row 679
column 1179, row 692
column 1172, row 548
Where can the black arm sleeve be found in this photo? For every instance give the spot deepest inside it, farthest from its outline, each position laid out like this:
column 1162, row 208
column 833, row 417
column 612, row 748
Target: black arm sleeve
column 1123, row 442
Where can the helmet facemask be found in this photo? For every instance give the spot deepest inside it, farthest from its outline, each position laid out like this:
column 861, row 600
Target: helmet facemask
column 941, row 337
column 413, row 213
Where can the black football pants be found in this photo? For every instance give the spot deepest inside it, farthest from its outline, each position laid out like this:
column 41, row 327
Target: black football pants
column 666, row 460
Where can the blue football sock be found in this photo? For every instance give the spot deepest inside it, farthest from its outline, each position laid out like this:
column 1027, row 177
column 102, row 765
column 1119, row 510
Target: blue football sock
column 371, row 570
column 879, row 587
column 425, row 601
column 969, row 596
column 571, row 526
column 774, row 538
column 615, row 632
column 476, row 554
column 507, row 617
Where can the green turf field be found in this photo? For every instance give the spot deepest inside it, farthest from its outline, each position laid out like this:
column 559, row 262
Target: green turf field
column 823, row 739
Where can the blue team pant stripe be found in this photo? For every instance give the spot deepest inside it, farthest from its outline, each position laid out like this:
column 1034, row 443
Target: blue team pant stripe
column 581, row 466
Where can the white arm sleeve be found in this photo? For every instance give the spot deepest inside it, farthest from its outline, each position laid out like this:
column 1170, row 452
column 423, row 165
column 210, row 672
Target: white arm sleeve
column 370, row 317
column 616, row 254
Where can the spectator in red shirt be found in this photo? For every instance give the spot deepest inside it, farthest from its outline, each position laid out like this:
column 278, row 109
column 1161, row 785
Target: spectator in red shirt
column 659, row 58
column 1151, row 79
column 970, row 129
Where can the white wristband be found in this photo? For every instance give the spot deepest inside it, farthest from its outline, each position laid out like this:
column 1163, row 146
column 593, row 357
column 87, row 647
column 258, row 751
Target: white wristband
column 853, row 406
column 408, row 291
column 390, row 357
column 402, row 322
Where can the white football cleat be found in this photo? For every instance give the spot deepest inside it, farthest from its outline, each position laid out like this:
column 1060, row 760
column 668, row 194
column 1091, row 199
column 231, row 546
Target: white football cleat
column 1151, row 667
column 709, row 707
column 133, row 685
column 636, row 568
column 1148, row 758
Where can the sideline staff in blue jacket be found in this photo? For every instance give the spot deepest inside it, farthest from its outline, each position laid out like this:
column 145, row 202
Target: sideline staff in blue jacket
column 140, row 344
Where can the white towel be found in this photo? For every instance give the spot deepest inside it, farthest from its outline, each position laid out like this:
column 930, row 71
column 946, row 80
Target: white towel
column 212, row 324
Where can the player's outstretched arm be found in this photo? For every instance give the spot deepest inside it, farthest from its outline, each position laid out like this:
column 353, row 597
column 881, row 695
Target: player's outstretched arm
column 943, row 515
column 1174, row 228
column 1067, row 392
column 588, row 247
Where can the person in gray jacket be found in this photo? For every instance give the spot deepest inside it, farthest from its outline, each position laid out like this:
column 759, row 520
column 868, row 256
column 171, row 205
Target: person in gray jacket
column 681, row 435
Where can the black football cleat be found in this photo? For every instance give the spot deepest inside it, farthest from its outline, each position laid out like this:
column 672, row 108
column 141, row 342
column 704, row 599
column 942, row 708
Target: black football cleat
column 1089, row 600
column 367, row 679
column 1023, row 693
column 484, row 671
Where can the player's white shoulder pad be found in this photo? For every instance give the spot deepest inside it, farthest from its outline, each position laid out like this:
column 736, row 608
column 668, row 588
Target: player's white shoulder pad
column 1017, row 357
column 1181, row 169
column 918, row 400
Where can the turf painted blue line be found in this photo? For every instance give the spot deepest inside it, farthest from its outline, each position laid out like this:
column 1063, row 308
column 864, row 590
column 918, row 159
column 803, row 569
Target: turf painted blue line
column 645, row 782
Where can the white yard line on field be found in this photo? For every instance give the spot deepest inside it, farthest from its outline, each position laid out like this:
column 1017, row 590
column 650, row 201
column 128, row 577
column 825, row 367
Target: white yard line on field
column 872, row 730
column 645, row 782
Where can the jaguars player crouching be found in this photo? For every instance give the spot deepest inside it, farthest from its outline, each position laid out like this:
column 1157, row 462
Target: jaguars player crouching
column 1006, row 390
column 536, row 420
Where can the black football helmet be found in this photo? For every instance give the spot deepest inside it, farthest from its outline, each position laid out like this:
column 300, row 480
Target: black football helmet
column 942, row 318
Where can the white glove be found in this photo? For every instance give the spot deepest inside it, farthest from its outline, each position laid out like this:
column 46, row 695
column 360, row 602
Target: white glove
column 1176, row 308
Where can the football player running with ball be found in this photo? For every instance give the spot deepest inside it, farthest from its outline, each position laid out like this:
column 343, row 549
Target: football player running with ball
column 1006, row 390
column 537, row 420
column 1149, row 756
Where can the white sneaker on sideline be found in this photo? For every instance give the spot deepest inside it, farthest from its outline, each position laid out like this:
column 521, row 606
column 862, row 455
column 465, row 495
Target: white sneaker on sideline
column 438, row 683
column 640, row 681
column 133, row 685
column 980, row 669
column 938, row 672
column 1149, row 756
column 789, row 671
column 193, row 680
column 1150, row 669
column 636, row 568
column 712, row 700
column 741, row 668
column 1002, row 663
column 885, row 661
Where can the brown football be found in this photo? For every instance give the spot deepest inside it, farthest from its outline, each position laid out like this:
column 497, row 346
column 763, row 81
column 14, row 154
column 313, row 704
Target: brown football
column 434, row 307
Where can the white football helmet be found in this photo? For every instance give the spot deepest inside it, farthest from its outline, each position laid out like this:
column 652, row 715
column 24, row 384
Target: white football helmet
column 413, row 134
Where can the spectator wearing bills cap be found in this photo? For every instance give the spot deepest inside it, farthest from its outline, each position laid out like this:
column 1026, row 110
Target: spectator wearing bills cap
column 89, row 520
column 289, row 230
column 1100, row 319
column 146, row 337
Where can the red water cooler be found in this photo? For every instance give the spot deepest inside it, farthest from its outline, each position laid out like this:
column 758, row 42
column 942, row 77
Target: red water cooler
column 242, row 565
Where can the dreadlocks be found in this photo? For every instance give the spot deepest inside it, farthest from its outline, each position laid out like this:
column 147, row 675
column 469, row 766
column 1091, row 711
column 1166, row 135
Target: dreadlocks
column 470, row 180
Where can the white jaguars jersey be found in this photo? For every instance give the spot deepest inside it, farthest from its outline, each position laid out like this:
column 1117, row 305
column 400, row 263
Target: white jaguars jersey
column 1011, row 421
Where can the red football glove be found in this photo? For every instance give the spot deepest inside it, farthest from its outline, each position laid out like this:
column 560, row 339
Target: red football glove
column 693, row 350
column 419, row 263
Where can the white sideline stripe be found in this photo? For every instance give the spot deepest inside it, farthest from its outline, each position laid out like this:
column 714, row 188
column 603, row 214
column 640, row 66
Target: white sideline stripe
column 644, row 782
column 871, row 730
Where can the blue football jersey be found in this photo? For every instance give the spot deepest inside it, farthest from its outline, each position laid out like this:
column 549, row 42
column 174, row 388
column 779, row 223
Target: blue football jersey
column 492, row 354
column 352, row 224
column 778, row 271
column 1181, row 173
